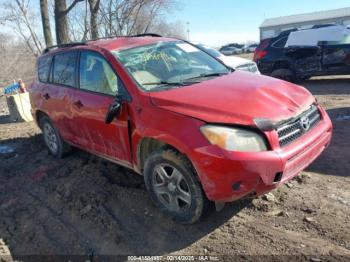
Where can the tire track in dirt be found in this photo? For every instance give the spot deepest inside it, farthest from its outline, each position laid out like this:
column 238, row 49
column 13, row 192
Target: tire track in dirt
column 70, row 207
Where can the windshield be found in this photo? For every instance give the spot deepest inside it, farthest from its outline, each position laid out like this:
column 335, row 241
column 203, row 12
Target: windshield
column 167, row 65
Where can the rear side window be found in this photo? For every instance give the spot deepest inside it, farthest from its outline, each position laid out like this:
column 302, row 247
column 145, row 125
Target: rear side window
column 344, row 41
column 64, row 69
column 280, row 43
column 44, row 64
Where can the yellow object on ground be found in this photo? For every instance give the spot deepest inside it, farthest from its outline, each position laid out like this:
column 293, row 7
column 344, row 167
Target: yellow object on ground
column 19, row 107
column 5, row 254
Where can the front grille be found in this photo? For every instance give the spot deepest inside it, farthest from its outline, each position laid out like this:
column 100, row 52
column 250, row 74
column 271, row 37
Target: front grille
column 290, row 131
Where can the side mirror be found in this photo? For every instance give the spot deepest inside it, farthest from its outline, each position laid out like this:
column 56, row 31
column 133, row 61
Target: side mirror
column 113, row 110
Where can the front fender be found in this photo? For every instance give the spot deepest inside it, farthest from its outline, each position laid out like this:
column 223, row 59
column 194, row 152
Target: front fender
column 179, row 131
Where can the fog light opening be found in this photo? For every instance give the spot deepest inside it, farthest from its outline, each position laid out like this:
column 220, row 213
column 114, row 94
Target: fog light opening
column 236, row 186
column 278, row 177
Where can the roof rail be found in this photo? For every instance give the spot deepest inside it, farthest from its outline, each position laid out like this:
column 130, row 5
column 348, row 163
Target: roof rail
column 47, row 49
column 287, row 32
column 146, row 34
column 116, row 36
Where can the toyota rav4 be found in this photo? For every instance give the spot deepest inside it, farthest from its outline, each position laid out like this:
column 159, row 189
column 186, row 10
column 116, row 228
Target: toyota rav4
column 198, row 131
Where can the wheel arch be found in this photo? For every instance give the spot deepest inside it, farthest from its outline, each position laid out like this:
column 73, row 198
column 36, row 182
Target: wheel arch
column 148, row 145
column 39, row 114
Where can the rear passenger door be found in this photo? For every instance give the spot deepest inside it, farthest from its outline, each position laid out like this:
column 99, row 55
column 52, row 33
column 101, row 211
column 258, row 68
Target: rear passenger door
column 306, row 59
column 98, row 86
column 59, row 91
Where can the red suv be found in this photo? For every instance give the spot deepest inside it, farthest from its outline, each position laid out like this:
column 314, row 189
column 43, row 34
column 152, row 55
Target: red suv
column 196, row 130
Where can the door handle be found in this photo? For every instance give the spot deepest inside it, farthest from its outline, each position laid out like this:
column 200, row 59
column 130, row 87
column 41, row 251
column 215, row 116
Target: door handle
column 78, row 104
column 46, row 96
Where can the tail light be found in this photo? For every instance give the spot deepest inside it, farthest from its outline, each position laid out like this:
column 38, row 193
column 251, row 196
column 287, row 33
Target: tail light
column 259, row 55
column 259, row 51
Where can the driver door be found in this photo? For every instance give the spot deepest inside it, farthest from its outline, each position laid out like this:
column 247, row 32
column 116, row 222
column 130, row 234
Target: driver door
column 98, row 86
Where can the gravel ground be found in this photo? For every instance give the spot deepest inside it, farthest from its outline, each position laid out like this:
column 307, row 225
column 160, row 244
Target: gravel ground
column 83, row 205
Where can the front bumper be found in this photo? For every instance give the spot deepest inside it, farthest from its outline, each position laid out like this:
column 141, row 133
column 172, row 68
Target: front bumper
column 227, row 176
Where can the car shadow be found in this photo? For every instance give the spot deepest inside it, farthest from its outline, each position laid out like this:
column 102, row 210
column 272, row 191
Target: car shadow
column 80, row 208
column 334, row 86
column 335, row 159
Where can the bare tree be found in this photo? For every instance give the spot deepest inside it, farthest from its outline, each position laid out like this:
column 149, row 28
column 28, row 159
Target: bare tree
column 169, row 29
column 17, row 60
column 128, row 17
column 94, row 7
column 122, row 17
column 78, row 23
column 19, row 16
column 61, row 23
column 46, row 22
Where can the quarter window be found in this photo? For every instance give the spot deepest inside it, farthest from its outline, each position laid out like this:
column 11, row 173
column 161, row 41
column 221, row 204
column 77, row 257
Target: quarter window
column 44, row 64
column 96, row 74
column 280, row 43
column 64, row 69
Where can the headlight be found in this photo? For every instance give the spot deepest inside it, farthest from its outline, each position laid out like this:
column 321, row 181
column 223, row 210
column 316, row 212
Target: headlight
column 234, row 139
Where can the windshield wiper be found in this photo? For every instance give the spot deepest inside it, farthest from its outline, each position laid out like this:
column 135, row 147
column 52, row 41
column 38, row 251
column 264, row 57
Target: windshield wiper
column 208, row 75
column 166, row 83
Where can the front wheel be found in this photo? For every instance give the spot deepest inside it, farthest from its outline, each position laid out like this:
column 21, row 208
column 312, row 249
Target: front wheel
column 173, row 186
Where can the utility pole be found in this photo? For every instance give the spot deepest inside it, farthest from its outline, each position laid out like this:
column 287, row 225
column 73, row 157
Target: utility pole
column 188, row 31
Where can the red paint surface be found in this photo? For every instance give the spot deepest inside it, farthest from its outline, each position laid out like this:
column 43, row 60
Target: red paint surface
column 175, row 116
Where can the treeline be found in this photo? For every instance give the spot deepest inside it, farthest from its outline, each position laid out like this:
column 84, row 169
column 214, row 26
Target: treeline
column 52, row 22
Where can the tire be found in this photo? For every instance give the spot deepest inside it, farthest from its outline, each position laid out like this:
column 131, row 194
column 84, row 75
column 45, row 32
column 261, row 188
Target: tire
column 53, row 140
column 302, row 79
column 284, row 74
column 174, row 187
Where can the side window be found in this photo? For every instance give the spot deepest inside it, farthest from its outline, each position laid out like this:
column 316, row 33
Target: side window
column 280, row 43
column 44, row 64
column 64, row 69
column 344, row 41
column 96, row 74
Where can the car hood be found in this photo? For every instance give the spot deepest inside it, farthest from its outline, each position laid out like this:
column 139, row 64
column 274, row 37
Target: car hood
column 236, row 98
column 234, row 61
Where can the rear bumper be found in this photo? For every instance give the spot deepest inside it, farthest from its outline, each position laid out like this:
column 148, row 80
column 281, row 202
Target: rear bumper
column 227, row 176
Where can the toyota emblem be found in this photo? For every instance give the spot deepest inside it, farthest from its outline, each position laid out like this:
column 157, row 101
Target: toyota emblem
column 305, row 123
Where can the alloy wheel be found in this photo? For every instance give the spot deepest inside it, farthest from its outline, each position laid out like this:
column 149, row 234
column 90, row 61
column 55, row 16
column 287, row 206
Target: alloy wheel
column 50, row 138
column 171, row 188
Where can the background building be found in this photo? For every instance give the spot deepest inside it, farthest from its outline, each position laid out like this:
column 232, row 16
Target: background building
column 273, row 26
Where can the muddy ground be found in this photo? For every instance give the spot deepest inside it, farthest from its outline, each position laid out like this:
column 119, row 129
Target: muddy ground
column 82, row 205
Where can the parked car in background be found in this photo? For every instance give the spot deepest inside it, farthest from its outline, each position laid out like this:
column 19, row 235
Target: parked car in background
column 250, row 48
column 239, row 46
column 234, row 62
column 196, row 130
column 230, row 50
column 300, row 54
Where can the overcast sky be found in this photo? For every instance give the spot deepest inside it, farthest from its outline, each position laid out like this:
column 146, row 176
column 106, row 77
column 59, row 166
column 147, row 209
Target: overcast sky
column 214, row 22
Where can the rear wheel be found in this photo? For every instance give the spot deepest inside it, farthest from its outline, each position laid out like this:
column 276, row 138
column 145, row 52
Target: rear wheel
column 173, row 186
column 284, row 74
column 54, row 142
column 303, row 78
